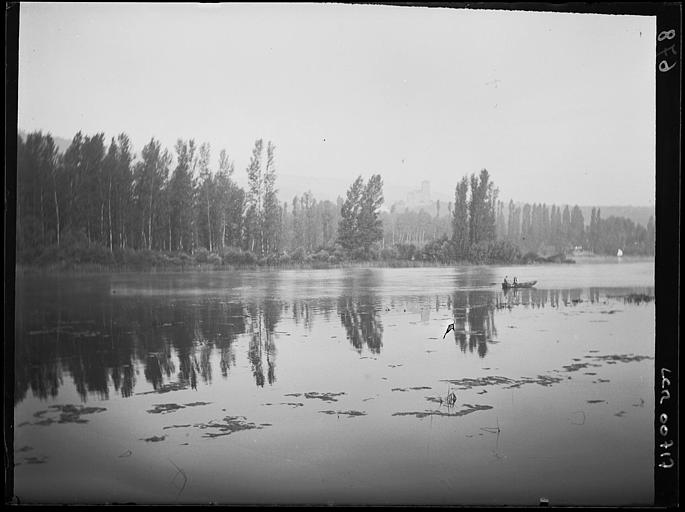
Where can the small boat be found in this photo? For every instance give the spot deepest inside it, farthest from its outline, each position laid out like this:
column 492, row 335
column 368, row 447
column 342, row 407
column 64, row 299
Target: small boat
column 525, row 284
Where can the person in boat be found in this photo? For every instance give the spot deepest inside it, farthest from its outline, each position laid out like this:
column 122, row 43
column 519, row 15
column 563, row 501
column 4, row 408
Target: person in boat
column 515, row 281
column 505, row 281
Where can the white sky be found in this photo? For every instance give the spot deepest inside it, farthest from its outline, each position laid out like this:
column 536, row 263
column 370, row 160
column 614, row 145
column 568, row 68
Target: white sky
column 558, row 107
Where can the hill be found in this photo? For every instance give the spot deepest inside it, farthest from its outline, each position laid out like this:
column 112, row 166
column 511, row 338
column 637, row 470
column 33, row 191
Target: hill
column 638, row 214
column 61, row 143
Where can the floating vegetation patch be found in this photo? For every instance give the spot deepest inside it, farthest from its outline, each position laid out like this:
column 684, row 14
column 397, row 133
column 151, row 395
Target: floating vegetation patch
column 24, row 449
column 326, row 397
column 291, row 404
column 633, row 298
column 603, row 380
column 68, row 414
column 596, row 401
column 73, row 413
column 164, row 408
column 610, row 312
column 36, row 460
column 153, row 439
column 623, row 358
column 229, row 425
column 349, row 414
column 542, row 380
column 578, row 366
column 468, row 409
column 167, row 388
column 490, row 380
column 494, row 380
column 127, row 453
column 175, row 426
column 195, row 404
column 394, row 365
column 293, row 394
column 620, row 414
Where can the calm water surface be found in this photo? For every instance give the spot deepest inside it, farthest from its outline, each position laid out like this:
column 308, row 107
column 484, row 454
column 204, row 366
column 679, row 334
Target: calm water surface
column 336, row 386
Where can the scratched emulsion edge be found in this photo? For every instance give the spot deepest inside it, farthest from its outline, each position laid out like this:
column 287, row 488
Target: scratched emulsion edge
column 11, row 101
column 668, row 51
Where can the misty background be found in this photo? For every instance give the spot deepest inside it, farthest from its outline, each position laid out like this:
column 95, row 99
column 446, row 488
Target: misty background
column 558, row 107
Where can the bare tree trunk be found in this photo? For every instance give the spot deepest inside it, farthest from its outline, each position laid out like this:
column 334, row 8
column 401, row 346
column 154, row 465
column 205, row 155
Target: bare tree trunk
column 149, row 222
column 209, row 225
column 56, row 206
column 42, row 216
column 223, row 231
column 109, row 213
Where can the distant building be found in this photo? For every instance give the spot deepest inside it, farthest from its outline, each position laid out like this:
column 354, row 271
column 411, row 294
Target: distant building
column 420, row 197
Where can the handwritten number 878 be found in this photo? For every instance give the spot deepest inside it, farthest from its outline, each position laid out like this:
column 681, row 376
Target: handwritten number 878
column 663, row 36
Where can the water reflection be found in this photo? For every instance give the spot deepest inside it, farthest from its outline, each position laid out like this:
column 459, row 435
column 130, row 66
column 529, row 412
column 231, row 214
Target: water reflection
column 100, row 341
column 263, row 319
column 358, row 311
column 474, row 320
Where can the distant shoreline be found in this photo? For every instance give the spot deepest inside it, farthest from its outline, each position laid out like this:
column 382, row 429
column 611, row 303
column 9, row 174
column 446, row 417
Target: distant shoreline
column 66, row 268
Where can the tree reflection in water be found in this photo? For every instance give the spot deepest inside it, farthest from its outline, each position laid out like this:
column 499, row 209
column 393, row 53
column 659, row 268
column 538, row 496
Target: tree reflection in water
column 358, row 310
column 263, row 318
column 474, row 320
column 99, row 341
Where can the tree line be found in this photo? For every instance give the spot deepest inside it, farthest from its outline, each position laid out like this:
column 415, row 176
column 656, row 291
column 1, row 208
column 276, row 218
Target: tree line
column 99, row 202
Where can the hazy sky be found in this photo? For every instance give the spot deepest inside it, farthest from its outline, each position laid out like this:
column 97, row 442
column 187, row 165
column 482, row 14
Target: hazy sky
column 558, row 107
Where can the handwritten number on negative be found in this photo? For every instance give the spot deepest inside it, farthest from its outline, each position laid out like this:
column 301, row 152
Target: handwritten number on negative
column 663, row 66
column 666, row 35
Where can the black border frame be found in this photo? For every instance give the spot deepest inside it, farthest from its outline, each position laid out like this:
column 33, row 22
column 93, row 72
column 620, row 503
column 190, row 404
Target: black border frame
column 668, row 211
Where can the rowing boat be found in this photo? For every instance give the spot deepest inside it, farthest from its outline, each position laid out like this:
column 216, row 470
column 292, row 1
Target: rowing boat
column 526, row 284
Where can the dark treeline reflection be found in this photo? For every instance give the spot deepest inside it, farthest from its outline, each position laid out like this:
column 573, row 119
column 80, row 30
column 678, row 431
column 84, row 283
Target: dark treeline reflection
column 105, row 343
column 102, row 340
column 473, row 309
column 474, row 319
column 358, row 309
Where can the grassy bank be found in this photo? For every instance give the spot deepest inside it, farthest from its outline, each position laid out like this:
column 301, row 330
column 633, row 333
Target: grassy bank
column 83, row 258
column 97, row 268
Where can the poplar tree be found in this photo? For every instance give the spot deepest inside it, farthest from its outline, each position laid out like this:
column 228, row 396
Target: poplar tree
column 271, row 214
column 348, row 235
column 369, row 224
column 460, row 219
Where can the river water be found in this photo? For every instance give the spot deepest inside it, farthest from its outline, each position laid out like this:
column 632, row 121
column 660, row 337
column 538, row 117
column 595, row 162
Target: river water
column 337, row 386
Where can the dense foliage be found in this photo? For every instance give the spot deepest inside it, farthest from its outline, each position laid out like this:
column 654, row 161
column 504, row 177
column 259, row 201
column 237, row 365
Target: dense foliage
column 103, row 204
